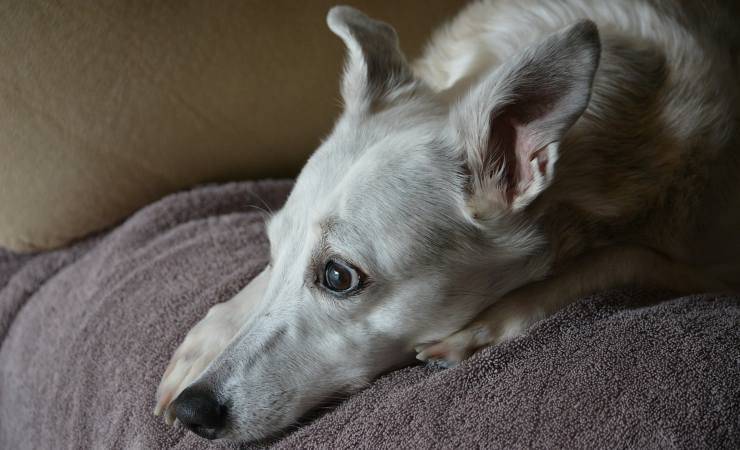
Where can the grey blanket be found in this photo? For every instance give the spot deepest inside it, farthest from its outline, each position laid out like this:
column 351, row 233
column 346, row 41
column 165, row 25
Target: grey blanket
column 86, row 332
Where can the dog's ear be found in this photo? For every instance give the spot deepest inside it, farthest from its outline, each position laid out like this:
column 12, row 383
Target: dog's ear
column 510, row 125
column 375, row 66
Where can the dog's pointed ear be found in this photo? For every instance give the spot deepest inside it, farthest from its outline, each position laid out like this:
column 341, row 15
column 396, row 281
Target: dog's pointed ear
column 375, row 65
column 511, row 124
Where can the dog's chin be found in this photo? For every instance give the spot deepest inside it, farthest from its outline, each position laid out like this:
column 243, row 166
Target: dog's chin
column 267, row 438
column 207, row 433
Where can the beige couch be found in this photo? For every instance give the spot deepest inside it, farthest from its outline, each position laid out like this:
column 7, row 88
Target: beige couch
column 109, row 105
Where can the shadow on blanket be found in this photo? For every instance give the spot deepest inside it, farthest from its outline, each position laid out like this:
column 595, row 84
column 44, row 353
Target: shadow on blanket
column 86, row 333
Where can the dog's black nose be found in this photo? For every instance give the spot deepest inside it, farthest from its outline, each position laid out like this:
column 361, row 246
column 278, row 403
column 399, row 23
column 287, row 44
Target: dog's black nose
column 200, row 411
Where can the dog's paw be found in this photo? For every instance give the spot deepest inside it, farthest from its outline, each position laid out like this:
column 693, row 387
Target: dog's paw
column 201, row 346
column 503, row 321
column 457, row 347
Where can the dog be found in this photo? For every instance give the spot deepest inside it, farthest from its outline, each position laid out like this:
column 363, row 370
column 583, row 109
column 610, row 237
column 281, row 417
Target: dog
column 538, row 152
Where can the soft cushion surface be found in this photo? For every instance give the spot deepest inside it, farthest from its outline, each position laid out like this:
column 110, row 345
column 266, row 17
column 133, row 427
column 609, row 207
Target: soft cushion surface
column 86, row 332
column 108, row 105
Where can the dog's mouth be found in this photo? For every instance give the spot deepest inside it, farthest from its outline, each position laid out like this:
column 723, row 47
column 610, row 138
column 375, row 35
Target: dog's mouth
column 228, row 432
column 205, row 432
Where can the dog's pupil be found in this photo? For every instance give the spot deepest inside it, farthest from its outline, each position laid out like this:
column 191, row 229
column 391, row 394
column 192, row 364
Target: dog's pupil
column 338, row 277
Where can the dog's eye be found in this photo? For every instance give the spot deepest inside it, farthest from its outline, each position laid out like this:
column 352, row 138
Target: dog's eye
column 341, row 277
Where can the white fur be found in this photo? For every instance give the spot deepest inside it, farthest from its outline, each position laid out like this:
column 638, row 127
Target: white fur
column 406, row 189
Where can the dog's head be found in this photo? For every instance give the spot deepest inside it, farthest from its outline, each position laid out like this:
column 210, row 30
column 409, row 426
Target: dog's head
column 405, row 223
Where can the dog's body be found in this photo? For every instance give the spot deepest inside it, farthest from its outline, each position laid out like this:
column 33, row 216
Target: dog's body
column 646, row 190
column 526, row 160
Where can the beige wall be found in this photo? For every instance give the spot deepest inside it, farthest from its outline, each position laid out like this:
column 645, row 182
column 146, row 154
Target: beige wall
column 108, row 105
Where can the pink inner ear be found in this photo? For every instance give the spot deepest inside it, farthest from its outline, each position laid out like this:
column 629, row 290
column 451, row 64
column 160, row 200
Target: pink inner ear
column 542, row 161
column 524, row 152
column 512, row 148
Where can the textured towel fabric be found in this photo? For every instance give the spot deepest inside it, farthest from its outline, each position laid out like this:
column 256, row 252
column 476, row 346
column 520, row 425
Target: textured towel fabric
column 87, row 331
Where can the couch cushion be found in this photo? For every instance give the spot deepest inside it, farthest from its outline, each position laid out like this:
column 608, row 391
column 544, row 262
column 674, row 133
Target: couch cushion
column 108, row 106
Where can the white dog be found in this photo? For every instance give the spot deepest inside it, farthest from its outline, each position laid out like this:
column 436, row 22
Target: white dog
column 539, row 151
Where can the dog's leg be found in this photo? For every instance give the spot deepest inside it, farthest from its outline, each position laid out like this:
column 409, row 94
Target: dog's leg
column 603, row 269
column 206, row 341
